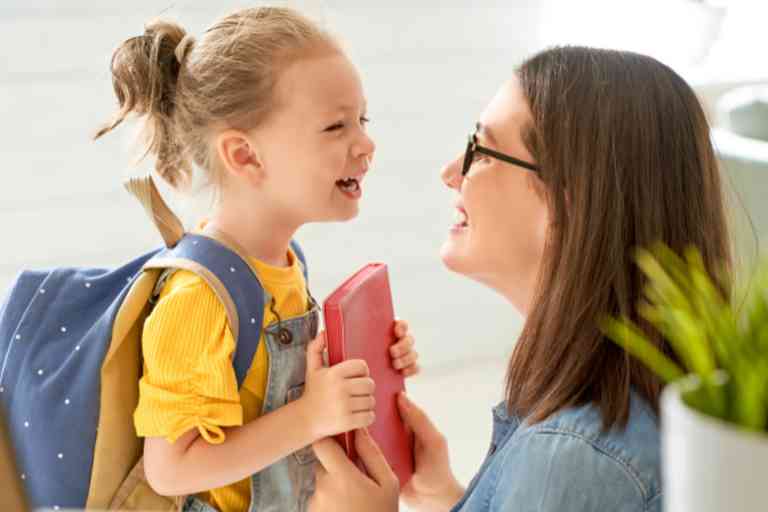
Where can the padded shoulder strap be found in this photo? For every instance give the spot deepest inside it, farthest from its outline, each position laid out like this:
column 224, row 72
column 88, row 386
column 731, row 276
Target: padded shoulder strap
column 170, row 227
column 233, row 281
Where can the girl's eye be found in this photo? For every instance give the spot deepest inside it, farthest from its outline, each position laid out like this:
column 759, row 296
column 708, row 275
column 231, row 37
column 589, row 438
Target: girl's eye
column 338, row 126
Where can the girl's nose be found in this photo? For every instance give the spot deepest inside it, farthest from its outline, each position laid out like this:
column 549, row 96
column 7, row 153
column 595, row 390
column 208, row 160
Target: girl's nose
column 364, row 148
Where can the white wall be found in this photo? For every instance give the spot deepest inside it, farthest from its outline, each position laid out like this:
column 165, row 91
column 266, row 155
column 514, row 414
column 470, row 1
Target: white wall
column 429, row 68
column 428, row 71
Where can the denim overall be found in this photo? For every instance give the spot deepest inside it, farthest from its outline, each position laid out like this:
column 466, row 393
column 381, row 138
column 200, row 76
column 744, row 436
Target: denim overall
column 287, row 484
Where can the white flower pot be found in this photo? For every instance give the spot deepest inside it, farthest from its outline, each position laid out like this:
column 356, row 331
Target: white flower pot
column 709, row 465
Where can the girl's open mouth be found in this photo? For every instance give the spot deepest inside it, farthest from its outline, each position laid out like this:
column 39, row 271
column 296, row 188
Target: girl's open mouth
column 351, row 186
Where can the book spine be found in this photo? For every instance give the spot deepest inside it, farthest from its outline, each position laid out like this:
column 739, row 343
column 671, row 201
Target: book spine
column 334, row 335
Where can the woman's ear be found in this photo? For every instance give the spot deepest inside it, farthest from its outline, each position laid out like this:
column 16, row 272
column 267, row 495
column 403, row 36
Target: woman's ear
column 239, row 156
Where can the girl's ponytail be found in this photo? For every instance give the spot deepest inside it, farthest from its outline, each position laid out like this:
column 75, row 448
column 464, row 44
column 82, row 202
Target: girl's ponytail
column 145, row 75
column 186, row 90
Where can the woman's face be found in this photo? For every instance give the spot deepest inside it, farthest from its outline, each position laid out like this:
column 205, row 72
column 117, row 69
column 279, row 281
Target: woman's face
column 501, row 214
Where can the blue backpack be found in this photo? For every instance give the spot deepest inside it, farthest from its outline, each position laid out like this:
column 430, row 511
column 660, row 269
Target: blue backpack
column 70, row 362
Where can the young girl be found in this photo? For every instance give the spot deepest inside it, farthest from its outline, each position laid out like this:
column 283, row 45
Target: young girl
column 268, row 105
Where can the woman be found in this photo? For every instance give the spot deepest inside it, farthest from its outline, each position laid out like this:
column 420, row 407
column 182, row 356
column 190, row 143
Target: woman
column 583, row 156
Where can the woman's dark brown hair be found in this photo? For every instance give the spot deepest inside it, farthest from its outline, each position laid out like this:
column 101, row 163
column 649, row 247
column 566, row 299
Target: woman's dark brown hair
column 626, row 160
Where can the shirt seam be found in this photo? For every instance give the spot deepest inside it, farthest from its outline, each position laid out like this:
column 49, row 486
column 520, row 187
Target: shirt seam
column 631, row 473
column 651, row 500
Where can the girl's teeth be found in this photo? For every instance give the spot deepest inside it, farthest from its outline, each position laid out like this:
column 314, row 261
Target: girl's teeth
column 460, row 217
column 349, row 185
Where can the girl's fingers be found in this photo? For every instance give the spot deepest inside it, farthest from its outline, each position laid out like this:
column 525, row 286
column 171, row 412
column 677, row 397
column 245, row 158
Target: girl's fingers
column 362, row 386
column 407, row 360
column 362, row 403
column 411, row 371
column 402, row 346
column 401, row 328
column 363, row 419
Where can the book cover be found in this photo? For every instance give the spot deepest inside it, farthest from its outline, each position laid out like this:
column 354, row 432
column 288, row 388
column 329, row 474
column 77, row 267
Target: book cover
column 359, row 322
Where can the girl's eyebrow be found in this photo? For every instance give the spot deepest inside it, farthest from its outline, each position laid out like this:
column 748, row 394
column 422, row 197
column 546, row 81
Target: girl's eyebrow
column 345, row 107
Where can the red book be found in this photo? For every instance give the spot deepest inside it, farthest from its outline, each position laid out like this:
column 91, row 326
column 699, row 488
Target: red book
column 359, row 324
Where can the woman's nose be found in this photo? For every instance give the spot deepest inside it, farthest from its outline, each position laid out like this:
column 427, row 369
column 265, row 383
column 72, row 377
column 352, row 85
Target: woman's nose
column 451, row 174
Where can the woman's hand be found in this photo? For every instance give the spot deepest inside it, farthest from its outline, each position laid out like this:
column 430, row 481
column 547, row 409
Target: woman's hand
column 341, row 486
column 433, row 486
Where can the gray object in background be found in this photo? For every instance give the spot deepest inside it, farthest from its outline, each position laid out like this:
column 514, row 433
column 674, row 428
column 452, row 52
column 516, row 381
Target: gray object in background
column 741, row 139
column 744, row 112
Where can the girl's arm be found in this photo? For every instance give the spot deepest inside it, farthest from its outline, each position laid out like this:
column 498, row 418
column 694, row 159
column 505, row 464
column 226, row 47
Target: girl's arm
column 335, row 400
column 192, row 464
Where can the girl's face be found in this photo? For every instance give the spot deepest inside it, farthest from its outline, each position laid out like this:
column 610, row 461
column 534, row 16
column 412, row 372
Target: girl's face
column 501, row 214
column 314, row 147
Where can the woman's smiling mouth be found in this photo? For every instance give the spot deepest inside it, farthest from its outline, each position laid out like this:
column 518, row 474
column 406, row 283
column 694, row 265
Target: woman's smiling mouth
column 460, row 217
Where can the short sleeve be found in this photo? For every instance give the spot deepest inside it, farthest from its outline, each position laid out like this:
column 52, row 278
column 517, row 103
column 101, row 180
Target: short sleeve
column 553, row 471
column 188, row 381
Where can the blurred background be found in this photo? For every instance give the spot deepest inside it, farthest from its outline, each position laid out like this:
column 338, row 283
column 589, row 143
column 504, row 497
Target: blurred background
column 428, row 68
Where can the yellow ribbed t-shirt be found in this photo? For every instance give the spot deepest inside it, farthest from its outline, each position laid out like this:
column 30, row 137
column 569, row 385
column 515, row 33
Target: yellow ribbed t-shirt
column 189, row 381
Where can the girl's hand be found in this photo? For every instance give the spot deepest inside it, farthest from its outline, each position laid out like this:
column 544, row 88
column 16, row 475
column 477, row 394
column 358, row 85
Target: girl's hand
column 340, row 486
column 337, row 399
column 404, row 357
column 433, row 486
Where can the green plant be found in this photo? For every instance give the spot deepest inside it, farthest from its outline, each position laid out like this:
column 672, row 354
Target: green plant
column 725, row 347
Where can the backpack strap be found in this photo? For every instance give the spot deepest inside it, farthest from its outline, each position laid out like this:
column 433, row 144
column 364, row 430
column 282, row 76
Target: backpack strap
column 233, row 281
column 234, row 246
column 221, row 264
column 218, row 260
column 170, row 227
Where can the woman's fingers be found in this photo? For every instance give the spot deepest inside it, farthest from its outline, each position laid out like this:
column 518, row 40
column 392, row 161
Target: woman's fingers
column 332, row 458
column 417, row 420
column 374, row 460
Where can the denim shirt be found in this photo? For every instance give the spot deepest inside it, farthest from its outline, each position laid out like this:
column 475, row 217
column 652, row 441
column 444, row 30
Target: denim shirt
column 566, row 463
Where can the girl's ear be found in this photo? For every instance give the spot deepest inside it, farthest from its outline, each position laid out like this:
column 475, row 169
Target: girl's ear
column 239, row 156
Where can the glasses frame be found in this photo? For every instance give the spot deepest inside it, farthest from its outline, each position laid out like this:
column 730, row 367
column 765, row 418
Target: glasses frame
column 473, row 147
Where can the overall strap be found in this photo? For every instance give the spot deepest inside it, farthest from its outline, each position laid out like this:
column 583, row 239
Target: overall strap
column 297, row 249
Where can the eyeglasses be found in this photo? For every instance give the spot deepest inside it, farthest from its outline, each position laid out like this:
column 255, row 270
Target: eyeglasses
column 473, row 147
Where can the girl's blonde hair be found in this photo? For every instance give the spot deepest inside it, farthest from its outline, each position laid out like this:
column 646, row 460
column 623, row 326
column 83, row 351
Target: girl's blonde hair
column 185, row 88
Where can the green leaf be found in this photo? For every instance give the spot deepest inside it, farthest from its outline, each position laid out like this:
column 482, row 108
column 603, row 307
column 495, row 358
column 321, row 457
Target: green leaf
column 632, row 339
column 708, row 335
